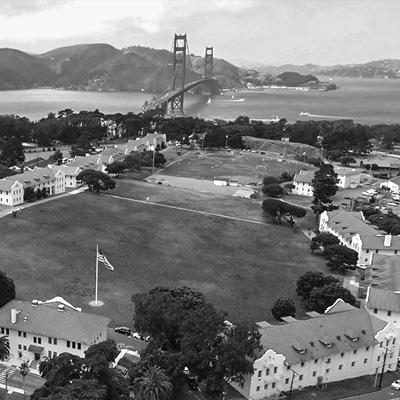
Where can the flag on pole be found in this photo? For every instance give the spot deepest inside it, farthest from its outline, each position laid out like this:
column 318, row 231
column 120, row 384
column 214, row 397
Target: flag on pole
column 102, row 258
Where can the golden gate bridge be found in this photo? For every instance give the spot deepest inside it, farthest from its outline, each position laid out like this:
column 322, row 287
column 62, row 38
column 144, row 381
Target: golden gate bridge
column 171, row 103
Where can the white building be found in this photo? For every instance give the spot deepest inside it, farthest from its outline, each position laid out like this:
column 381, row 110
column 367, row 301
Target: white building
column 348, row 177
column 45, row 329
column 344, row 343
column 393, row 184
column 302, row 182
column 150, row 142
column 12, row 187
column 354, row 232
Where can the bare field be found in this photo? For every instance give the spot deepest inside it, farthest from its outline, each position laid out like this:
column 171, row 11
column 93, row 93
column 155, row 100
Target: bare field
column 241, row 267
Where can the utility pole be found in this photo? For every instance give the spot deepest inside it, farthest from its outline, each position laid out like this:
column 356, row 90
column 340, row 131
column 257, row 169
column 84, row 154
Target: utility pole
column 383, row 367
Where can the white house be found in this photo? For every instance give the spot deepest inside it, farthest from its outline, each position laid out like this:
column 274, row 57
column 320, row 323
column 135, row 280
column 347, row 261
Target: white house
column 70, row 174
column 354, row 232
column 150, row 142
column 393, row 184
column 40, row 329
column 343, row 343
column 11, row 192
column 302, row 183
column 348, row 177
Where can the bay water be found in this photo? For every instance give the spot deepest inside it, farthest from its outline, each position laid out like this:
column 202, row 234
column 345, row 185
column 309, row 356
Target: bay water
column 366, row 101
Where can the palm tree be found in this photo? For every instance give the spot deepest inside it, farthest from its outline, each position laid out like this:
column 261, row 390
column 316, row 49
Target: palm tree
column 154, row 384
column 23, row 370
column 4, row 347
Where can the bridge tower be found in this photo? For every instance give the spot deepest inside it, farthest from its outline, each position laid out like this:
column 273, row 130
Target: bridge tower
column 208, row 68
column 178, row 81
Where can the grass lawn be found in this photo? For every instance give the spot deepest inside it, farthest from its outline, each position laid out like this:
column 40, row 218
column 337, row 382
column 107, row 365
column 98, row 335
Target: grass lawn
column 241, row 267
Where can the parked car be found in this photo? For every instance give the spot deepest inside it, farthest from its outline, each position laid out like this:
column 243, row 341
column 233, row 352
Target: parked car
column 123, row 330
column 396, row 384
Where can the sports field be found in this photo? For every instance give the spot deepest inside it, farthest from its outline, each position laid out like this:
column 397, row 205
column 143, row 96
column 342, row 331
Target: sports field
column 241, row 267
column 245, row 167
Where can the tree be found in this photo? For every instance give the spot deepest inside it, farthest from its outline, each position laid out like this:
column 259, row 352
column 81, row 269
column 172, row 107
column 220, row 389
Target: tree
column 273, row 190
column 7, row 289
column 23, row 370
column 346, row 160
column 96, row 180
column 269, row 180
column 29, row 194
column 310, row 280
column 323, row 239
column 323, row 297
column 283, row 307
column 325, row 187
column 4, row 348
column 340, row 258
column 276, row 208
column 116, row 168
column 57, row 157
column 12, row 152
column 154, row 384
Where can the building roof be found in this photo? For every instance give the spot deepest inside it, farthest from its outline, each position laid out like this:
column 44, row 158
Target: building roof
column 68, row 169
column 322, row 336
column 34, row 177
column 395, row 180
column 349, row 224
column 382, row 299
column 85, row 162
column 5, row 184
column 347, row 171
column 45, row 319
column 304, row 176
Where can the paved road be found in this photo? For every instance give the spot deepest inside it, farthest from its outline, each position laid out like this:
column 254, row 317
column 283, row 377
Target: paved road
column 385, row 394
column 15, row 382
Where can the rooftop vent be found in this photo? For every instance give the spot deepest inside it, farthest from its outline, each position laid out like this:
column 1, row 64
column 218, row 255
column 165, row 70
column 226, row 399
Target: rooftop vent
column 61, row 307
column 388, row 240
column 298, row 346
column 34, row 303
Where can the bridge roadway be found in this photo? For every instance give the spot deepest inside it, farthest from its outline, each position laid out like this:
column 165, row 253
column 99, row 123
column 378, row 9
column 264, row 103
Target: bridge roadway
column 162, row 101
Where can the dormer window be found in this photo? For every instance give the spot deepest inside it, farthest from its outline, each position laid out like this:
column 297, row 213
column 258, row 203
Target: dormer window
column 325, row 340
column 351, row 335
column 298, row 346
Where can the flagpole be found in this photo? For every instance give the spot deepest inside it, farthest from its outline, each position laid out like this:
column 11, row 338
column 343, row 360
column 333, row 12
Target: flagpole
column 97, row 272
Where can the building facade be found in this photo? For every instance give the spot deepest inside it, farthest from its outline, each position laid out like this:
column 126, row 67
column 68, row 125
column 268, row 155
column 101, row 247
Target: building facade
column 348, row 177
column 343, row 343
column 302, row 182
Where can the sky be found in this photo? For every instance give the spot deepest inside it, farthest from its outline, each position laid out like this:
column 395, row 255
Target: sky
column 270, row 32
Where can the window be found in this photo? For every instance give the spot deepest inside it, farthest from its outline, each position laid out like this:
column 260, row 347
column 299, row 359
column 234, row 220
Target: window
column 365, row 360
column 259, row 374
column 394, row 340
column 302, row 364
column 380, row 344
column 355, row 351
column 342, row 354
column 300, row 377
column 19, row 347
column 73, row 346
column 378, row 359
column 7, row 331
column 49, row 340
column 79, row 346
column 316, row 360
column 353, row 363
column 377, row 251
column 340, row 367
column 49, row 354
column 275, row 370
column 24, row 334
column 267, row 371
column 24, row 347
column 54, row 354
column 258, row 388
column 20, row 354
column 328, row 360
column 34, row 339
column 387, row 342
column 286, row 381
column 273, row 384
column 327, row 370
column 54, row 340
column 266, row 386
column 367, row 251
column 68, row 343
column 314, row 373
column 367, row 348
column 19, row 333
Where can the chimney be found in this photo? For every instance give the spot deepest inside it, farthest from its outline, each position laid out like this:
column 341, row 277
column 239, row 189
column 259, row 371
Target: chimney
column 14, row 313
column 61, row 307
column 35, row 303
column 387, row 241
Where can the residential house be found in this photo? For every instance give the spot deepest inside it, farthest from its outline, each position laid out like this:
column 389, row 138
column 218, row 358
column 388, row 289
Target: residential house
column 355, row 232
column 343, row 343
column 393, row 184
column 11, row 192
column 70, row 175
column 40, row 329
column 150, row 142
column 86, row 162
column 302, row 182
column 348, row 177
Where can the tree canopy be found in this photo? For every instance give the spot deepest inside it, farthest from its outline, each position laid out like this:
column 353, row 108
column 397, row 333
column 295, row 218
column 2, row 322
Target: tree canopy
column 185, row 330
column 7, row 289
column 312, row 279
column 276, row 209
column 283, row 307
column 12, row 152
column 340, row 258
column 96, row 180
